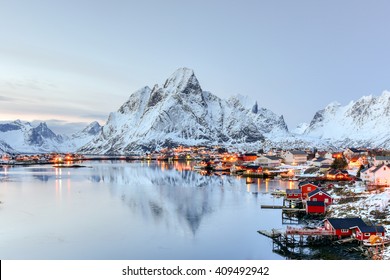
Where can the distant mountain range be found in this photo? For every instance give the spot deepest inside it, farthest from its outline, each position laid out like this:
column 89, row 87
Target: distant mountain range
column 361, row 123
column 179, row 112
column 23, row 137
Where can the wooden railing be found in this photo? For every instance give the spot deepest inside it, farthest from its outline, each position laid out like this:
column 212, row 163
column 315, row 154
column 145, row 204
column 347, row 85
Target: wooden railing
column 307, row 231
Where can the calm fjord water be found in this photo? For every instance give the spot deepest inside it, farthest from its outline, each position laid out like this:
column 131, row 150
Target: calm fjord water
column 133, row 210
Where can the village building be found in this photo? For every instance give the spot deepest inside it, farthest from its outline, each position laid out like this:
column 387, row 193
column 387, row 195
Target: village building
column 295, row 157
column 268, row 161
column 348, row 227
column 379, row 160
column 357, row 161
column 320, row 195
column 319, row 162
column 338, row 175
column 379, row 175
column 352, row 152
column 306, row 188
column 293, row 194
column 315, row 207
column 248, row 157
column 324, row 154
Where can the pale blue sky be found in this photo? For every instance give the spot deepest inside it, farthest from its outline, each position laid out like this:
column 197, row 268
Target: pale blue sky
column 76, row 61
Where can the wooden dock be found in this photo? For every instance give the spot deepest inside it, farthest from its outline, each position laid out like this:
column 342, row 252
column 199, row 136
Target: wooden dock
column 271, row 206
column 308, row 231
column 274, row 233
column 284, row 208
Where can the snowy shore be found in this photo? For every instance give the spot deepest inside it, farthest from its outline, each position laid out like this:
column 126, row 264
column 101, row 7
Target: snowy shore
column 355, row 201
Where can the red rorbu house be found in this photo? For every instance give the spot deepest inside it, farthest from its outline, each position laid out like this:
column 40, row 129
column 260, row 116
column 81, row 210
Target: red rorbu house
column 293, row 194
column 315, row 207
column 319, row 195
column 306, row 188
column 339, row 175
column 253, row 169
column 347, row 227
column 317, row 201
column 249, row 157
column 364, row 232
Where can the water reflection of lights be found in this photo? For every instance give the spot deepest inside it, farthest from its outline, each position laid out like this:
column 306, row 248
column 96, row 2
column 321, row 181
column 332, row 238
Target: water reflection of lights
column 58, row 181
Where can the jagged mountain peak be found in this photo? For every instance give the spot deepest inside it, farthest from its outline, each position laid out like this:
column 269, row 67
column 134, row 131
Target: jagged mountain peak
column 92, row 129
column 183, row 80
column 181, row 113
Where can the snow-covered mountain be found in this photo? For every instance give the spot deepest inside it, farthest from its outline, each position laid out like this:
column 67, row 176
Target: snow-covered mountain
column 300, row 128
column 181, row 113
column 79, row 139
column 23, row 137
column 364, row 123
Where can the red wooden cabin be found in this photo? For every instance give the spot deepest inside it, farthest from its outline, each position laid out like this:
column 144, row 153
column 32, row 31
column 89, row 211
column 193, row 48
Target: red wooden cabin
column 346, row 227
column 306, row 188
column 319, row 195
column 294, row 194
column 315, row 207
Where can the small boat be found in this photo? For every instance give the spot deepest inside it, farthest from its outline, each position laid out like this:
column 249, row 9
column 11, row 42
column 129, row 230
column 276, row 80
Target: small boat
column 376, row 241
column 68, row 166
column 278, row 192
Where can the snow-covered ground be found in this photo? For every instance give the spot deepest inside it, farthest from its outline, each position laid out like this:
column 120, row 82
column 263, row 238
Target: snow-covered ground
column 355, row 201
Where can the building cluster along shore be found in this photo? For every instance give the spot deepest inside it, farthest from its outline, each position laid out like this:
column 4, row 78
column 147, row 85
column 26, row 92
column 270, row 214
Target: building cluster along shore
column 335, row 187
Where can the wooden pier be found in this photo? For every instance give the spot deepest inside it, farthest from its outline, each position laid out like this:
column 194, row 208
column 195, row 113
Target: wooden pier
column 284, row 208
column 274, row 233
column 293, row 240
column 309, row 231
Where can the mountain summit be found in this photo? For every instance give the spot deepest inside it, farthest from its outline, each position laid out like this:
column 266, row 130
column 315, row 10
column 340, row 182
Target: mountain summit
column 181, row 113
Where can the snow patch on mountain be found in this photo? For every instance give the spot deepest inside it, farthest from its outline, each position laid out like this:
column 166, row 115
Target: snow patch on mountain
column 300, row 128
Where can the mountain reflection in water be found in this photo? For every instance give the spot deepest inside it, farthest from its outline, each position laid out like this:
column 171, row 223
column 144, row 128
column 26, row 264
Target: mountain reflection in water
column 133, row 210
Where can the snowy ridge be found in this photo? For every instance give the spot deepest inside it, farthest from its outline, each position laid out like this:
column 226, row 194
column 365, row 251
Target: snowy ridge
column 22, row 137
column 181, row 113
column 360, row 123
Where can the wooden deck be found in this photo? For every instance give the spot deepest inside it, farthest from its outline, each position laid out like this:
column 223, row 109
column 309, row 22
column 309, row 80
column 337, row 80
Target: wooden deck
column 308, row 232
column 274, row 233
column 284, row 208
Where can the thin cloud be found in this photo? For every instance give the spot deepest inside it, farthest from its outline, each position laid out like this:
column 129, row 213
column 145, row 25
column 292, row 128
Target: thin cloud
column 7, row 99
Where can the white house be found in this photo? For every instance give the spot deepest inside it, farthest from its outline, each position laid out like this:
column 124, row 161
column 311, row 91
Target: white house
column 378, row 160
column 295, row 157
column 321, row 162
column 268, row 161
column 379, row 175
column 352, row 152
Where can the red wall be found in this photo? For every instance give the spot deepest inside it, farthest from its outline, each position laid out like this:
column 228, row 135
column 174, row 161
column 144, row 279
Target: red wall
column 319, row 197
column 315, row 209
